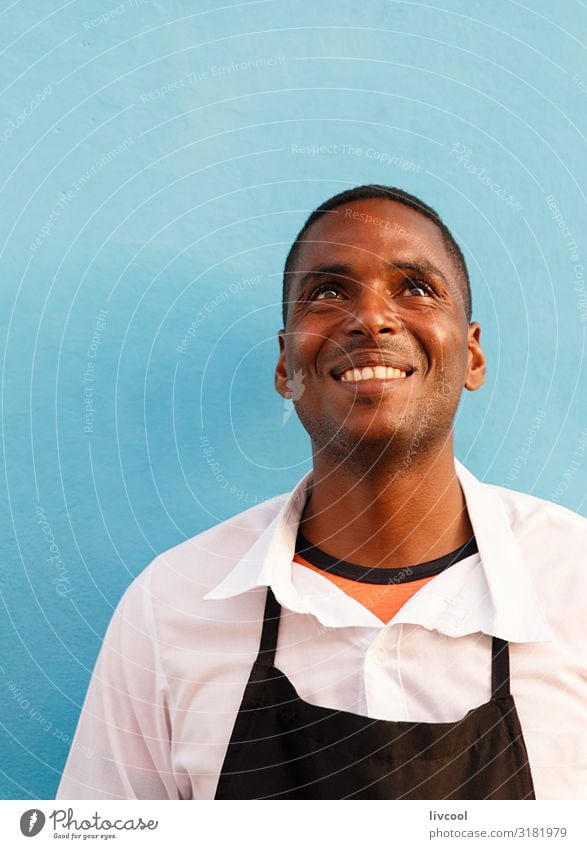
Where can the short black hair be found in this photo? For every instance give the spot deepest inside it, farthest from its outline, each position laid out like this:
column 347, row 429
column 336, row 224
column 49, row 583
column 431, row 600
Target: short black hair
column 368, row 192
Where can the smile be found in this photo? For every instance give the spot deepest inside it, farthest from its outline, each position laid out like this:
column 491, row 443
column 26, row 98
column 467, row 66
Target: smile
column 355, row 375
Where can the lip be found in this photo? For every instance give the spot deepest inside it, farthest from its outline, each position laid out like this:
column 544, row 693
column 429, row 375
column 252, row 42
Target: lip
column 363, row 359
column 373, row 386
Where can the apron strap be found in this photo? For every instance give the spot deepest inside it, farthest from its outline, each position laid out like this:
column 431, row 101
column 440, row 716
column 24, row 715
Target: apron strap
column 268, row 644
column 500, row 669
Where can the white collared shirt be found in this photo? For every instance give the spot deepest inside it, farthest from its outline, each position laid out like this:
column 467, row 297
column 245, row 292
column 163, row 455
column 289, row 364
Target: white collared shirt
column 170, row 677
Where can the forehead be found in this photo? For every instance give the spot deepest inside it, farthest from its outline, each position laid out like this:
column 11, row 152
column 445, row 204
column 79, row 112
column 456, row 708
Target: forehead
column 369, row 231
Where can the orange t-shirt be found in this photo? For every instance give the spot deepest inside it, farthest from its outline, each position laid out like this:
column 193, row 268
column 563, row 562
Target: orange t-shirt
column 391, row 589
column 384, row 600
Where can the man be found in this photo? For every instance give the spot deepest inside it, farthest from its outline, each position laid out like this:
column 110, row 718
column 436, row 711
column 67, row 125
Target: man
column 393, row 628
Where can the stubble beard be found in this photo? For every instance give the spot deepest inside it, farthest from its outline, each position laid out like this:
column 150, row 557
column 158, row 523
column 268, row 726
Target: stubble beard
column 412, row 442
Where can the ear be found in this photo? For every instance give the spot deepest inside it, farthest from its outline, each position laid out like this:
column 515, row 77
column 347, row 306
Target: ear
column 475, row 375
column 281, row 376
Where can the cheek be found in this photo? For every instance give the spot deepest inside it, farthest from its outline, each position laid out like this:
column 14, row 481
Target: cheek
column 449, row 344
column 302, row 347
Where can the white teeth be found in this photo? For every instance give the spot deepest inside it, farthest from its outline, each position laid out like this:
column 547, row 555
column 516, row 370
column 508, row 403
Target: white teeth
column 368, row 373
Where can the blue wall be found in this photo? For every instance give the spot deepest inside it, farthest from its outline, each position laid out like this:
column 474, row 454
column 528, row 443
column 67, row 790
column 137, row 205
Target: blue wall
column 155, row 164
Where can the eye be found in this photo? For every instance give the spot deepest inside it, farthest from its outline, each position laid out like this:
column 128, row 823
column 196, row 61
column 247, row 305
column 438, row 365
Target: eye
column 416, row 287
column 323, row 289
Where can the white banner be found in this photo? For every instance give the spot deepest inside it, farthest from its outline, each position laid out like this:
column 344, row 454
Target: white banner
column 292, row 825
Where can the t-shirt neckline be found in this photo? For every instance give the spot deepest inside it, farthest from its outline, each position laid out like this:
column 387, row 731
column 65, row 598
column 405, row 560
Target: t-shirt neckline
column 381, row 575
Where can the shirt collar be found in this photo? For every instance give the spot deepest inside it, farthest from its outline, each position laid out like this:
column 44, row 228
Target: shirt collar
column 490, row 593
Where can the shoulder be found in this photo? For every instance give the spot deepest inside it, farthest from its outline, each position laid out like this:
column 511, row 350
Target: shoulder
column 553, row 542
column 179, row 577
column 546, row 520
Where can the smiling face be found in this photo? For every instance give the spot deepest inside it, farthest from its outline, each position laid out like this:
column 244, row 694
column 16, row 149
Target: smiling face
column 377, row 346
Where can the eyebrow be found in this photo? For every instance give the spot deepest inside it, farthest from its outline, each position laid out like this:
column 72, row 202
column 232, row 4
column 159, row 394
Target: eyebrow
column 341, row 270
column 337, row 269
column 419, row 266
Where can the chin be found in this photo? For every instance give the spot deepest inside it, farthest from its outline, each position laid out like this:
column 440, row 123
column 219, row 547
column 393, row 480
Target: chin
column 371, row 445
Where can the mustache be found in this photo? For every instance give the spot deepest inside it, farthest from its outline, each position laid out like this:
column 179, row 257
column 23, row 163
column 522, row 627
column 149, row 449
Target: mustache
column 410, row 355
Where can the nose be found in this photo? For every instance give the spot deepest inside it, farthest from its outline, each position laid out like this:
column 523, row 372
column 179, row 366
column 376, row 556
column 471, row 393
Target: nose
column 372, row 312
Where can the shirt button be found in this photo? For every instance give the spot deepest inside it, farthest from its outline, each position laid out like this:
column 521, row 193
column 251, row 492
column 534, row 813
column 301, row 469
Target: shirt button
column 377, row 655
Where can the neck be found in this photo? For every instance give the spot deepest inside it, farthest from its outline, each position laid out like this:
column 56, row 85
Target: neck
column 391, row 516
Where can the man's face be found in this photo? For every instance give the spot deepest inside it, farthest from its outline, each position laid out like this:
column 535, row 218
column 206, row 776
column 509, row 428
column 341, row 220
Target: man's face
column 374, row 286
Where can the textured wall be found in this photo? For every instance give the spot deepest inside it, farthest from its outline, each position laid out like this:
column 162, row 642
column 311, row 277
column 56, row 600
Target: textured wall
column 156, row 158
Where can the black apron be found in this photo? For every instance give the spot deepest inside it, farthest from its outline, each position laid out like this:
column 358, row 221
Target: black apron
column 285, row 748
